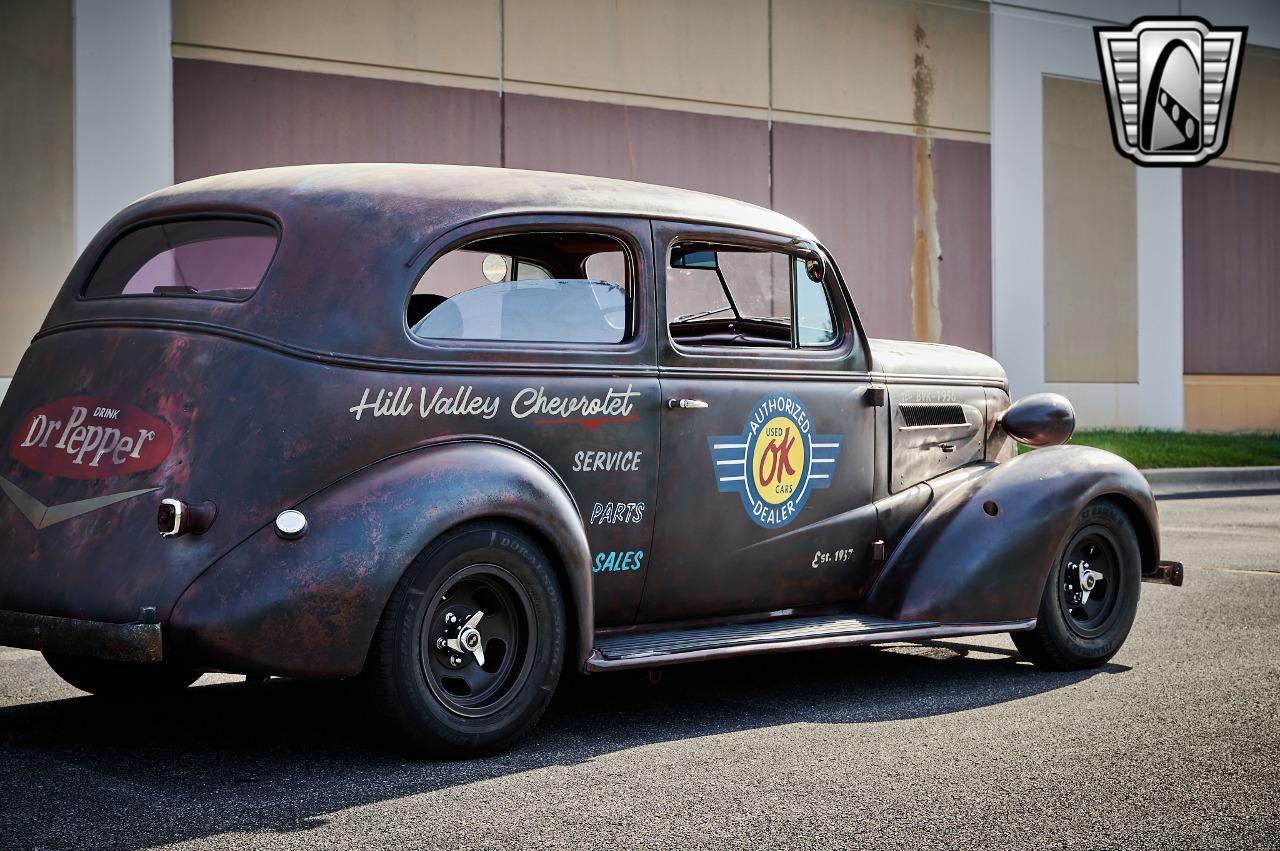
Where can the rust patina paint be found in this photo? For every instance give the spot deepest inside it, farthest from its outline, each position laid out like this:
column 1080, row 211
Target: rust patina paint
column 313, row 394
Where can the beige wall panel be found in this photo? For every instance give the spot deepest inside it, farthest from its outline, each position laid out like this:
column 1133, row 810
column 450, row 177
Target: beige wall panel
column 35, row 166
column 1255, row 123
column 447, row 36
column 1232, row 402
column 711, row 50
column 1090, row 241
column 857, row 59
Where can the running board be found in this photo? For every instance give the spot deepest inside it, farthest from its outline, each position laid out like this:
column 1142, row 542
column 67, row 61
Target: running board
column 673, row 647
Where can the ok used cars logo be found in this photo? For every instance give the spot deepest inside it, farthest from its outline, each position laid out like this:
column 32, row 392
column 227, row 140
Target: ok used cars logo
column 777, row 460
column 81, row 437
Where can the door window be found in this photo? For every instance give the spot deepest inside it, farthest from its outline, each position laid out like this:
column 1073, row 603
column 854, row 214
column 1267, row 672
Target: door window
column 526, row 287
column 730, row 295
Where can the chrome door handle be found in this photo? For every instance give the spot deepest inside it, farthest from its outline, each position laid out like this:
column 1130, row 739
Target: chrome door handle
column 686, row 403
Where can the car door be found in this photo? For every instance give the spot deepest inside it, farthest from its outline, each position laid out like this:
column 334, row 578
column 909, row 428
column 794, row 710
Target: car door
column 767, row 439
column 551, row 319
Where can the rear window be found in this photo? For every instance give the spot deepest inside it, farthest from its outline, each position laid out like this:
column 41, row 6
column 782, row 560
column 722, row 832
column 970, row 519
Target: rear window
column 208, row 258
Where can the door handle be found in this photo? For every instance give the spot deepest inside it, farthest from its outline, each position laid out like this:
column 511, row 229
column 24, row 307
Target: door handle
column 685, row 403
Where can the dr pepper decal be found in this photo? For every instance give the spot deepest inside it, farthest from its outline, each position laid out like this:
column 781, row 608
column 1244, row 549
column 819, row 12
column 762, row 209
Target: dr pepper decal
column 82, row 437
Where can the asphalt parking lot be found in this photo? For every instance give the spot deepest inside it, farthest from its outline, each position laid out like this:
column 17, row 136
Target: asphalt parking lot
column 956, row 744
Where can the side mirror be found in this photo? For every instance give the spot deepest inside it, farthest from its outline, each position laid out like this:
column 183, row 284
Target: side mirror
column 1041, row 419
column 816, row 269
column 815, row 264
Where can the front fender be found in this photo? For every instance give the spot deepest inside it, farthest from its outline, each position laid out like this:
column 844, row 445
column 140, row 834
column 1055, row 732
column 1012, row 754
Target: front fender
column 309, row 607
column 960, row 564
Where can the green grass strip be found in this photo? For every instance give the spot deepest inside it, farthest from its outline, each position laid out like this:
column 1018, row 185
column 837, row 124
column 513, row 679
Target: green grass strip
column 1152, row 448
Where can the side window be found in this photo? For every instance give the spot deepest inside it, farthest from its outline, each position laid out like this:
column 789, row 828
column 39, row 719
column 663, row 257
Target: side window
column 815, row 326
column 729, row 295
column 527, row 287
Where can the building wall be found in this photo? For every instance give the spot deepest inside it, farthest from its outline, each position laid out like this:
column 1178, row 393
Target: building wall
column 948, row 152
column 1231, row 262
column 759, row 100
column 229, row 117
column 123, row 133
column 1046, row 265
column 37, row 216
column 1090, row 241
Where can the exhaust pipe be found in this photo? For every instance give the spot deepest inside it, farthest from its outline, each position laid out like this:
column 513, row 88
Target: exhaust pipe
column 1166, row 573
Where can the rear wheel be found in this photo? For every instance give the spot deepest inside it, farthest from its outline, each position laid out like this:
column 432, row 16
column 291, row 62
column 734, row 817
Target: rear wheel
column 1091, row 595
column 469, row 649
column 121, row 679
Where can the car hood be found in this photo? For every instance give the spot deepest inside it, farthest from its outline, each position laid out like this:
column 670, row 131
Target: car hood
column 900, row 358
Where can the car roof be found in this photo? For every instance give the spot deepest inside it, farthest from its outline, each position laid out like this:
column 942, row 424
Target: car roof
column 462, row 193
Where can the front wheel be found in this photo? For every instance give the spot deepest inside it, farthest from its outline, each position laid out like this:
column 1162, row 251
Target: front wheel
column 470, row 646
column 121, row 679
column 1091, row 596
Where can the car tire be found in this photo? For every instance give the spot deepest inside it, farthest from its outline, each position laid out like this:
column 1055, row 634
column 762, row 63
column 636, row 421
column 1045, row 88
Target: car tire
column 1083, row 627
column 121, row 679
column 442, row 700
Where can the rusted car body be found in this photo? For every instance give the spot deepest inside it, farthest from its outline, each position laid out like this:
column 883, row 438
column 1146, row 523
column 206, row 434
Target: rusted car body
column 636, row 465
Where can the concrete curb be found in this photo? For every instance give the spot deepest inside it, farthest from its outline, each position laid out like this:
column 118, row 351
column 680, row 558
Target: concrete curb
column 1193, row 478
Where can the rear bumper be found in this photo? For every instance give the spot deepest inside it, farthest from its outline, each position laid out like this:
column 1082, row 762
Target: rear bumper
column 118, row 642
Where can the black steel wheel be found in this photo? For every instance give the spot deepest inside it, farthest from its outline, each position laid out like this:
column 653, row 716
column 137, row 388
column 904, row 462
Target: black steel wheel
column 470, row 646
column 475, row 640
column 1087, row 592
column 1091, row 595
column 121, row 680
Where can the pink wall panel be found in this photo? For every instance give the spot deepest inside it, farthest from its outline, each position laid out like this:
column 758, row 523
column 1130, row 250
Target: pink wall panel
column 962, row 187
column 854, row 190
column 230, row 117
column 1230, row 271
column 710, row 153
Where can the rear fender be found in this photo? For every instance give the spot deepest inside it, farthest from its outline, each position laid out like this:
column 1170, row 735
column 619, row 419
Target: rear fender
column 309, row 607
column 959, row 563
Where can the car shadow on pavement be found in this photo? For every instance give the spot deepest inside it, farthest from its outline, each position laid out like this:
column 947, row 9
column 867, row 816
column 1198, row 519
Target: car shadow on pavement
column 283, row 755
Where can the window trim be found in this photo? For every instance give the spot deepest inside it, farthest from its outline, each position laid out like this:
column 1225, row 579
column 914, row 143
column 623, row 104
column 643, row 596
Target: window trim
column 762, row 351
column 133, row 227
column 633, row 332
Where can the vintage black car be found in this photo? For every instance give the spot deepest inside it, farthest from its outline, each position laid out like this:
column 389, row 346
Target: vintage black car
column 447, row 430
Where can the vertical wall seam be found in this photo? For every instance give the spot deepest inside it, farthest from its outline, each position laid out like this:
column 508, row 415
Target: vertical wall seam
column 769, row 105
column 75, row 134
column 502, row 95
